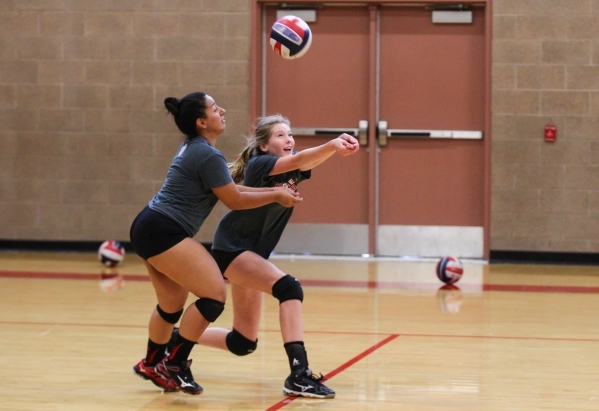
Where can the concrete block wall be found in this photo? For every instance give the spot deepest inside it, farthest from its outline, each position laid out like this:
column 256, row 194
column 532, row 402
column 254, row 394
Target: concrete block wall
column 85, row 141
column 545, row 196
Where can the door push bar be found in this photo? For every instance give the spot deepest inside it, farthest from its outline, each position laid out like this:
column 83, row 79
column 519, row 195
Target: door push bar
column 361, row 133
column 383, row 134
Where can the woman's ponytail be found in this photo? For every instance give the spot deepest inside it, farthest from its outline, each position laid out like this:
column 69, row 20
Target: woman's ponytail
column 237, row 167
column 186, row 111
column 252, row 148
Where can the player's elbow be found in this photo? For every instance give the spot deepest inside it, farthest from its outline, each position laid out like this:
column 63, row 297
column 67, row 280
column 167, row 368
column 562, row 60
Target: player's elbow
column 233, row 204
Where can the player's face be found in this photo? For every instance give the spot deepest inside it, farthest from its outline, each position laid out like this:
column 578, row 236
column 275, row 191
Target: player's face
column 215, row 117
column 281, row 142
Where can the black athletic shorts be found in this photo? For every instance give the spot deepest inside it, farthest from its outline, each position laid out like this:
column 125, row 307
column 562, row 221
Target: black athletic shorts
column 224, row 258
column 153, row 233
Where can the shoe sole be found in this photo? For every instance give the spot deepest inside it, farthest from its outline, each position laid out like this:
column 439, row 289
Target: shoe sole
column 191, row 392
column 291, row 393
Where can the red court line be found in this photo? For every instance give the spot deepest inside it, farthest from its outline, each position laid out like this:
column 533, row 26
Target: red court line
column 337, row 370
column 329, row 283
column 405, row 335
column 68, row 276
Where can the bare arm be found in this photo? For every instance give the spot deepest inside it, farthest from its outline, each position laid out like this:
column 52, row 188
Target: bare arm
column 235, row 199
column 309, row 158
column 245, row 189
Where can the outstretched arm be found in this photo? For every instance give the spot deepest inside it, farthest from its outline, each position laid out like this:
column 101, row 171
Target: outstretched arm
column 235, row 199
column 311, row 157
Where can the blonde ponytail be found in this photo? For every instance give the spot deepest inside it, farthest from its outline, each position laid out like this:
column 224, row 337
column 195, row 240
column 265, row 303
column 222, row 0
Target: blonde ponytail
column 252, row 148
column 237, row 167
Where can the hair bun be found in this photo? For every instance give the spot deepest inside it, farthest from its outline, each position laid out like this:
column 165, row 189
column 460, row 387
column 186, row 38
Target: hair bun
column 172, row 104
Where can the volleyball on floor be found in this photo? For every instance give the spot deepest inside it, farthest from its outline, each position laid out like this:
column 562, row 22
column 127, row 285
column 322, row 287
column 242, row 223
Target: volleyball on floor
column 290, row 37
column 111, row 253
column 449, row 269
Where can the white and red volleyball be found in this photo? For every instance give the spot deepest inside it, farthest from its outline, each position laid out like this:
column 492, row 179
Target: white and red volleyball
column 111, row 253
column 449, row 269
column 290, row 37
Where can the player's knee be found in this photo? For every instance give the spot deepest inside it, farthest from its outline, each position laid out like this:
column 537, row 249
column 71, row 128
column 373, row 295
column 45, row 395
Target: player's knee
column 209, row 308
column 288, row 288
column 170, row 318
column 239, row 345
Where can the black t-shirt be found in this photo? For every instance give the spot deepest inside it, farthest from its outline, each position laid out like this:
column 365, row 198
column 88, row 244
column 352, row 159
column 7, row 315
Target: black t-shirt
column 258, row 229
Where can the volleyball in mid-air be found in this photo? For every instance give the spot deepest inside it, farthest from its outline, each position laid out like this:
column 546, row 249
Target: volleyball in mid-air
column 449, row 269
column 111, row 253
column 290, row 37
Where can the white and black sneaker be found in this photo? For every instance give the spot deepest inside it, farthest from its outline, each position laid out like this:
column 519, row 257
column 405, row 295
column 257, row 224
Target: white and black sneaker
column 307, row 385
column 180, row 374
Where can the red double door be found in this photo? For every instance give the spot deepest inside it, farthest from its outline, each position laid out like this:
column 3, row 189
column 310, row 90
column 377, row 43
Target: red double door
column 416, row 92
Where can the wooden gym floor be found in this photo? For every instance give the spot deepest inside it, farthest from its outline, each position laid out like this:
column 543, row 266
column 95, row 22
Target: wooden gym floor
column 511, row 337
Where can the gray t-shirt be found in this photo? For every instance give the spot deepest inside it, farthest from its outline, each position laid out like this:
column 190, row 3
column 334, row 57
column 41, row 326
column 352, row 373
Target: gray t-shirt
column 258, row 229
column 186, row 195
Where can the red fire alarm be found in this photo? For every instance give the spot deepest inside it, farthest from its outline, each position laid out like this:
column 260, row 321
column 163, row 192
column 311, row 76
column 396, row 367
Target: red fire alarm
column 550, row 133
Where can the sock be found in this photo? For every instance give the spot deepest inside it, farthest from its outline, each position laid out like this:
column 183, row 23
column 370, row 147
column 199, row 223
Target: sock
column 298, row 358
column 155, row 353
column 181, row 350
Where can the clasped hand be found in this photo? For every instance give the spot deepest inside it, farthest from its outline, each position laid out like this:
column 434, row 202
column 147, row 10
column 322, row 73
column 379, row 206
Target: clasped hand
column 288, row 197
column 346, row 145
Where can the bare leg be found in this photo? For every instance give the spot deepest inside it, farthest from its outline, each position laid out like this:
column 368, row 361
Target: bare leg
column 171, row 298
column 251, row 275
column 185, row 266
column 253, row 272
column 247, row 304
column 189, row 267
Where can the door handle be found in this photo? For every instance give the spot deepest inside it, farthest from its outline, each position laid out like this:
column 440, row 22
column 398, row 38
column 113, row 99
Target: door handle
column 361, row 133
column 384, row 133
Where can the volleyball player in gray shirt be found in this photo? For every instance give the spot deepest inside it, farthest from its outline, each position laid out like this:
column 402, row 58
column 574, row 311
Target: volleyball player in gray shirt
column 162, row 234
column 244, row 240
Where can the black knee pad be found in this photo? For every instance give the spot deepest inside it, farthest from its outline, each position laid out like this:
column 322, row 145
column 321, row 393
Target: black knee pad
column 209, row 308
column 171, row 318
column 239, row 345
column 288, row 288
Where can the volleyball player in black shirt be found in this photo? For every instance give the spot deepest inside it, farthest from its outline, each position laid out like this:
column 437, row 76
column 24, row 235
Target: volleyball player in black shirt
column 245, row 239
